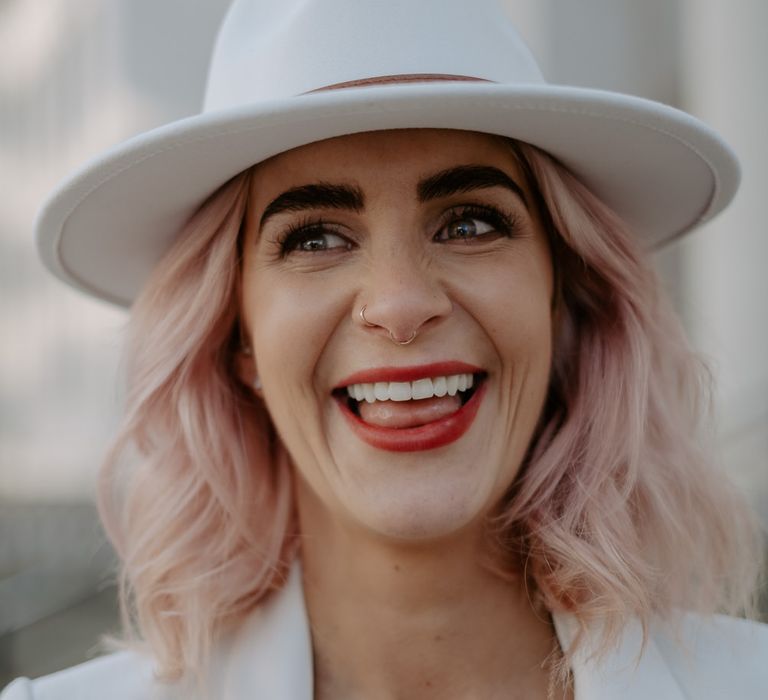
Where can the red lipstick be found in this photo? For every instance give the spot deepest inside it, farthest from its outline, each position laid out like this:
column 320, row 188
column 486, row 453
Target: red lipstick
column 423, row 437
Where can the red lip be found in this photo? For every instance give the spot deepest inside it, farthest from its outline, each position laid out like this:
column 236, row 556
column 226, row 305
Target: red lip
column 424, row 437
column 409, row 374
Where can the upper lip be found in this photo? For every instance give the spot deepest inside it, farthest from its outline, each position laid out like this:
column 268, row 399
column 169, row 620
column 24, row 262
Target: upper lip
column 409, row 374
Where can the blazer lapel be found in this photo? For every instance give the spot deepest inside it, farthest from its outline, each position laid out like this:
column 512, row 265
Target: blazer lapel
column 270, row 657
column 619, row 674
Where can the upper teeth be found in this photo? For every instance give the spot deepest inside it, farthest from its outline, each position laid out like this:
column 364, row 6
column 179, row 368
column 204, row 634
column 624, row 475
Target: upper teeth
column 405, row 391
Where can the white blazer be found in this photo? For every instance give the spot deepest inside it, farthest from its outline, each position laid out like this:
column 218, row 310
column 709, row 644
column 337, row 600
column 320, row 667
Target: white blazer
column 270, row 658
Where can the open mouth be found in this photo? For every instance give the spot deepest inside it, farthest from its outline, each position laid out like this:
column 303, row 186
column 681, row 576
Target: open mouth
column 459, row 387
column 412, row 416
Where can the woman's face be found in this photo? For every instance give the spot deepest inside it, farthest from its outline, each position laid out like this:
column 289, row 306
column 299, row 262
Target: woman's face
column 435, row 233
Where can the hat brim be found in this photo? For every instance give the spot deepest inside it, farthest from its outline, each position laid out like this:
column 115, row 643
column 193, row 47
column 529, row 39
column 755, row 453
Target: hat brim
column 104, row 229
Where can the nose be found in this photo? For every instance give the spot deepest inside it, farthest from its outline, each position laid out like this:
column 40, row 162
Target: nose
column 401, row 297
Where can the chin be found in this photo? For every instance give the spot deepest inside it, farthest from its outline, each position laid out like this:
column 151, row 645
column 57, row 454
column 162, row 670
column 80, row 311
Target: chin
column 420, row 512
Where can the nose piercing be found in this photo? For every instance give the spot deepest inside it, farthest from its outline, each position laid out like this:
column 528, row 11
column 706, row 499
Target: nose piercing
column 365, row 320
column 391, row 335
column 402, row 342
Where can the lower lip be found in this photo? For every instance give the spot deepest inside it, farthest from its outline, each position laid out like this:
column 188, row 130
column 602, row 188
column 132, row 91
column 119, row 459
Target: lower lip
column 424, row 437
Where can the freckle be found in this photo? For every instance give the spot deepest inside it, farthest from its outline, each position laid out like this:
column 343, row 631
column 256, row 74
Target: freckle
column 397, row 567
column 438, row 637
column 428, row 684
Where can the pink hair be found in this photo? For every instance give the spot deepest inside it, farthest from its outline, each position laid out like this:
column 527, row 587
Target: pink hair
column 201, row 520
column 617, row 512
column 620, row 511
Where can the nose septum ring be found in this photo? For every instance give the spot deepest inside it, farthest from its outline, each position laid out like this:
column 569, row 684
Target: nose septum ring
column 391, row 335
column 402, row 342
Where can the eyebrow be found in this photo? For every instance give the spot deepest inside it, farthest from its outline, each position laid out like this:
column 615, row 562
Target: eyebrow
column 324, row 195
column 321, row 195
column 466, row 178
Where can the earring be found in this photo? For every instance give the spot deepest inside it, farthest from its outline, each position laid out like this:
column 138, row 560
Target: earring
column 256, row 384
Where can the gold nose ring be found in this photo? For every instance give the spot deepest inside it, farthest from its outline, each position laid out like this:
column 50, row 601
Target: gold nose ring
column 365, row 320
column 402, row 342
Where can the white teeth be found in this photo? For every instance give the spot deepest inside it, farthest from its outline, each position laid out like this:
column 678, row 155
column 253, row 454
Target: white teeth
column 422, row 389
column 405, row 391
column 400, row 391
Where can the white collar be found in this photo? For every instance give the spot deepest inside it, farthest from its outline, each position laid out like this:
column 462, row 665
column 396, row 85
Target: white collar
column 619, row 674
column 270, row 657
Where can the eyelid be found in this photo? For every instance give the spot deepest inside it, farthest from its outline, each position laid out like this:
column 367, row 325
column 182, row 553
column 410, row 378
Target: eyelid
column 304, row 228
column 505, row 221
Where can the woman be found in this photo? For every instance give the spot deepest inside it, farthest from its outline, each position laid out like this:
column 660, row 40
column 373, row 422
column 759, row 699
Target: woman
column 409, row 417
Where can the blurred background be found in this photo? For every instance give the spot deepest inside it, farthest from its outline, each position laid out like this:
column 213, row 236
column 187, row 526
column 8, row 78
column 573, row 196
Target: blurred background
column 77, row 76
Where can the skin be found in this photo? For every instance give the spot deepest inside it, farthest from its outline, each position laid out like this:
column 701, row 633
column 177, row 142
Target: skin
column 394, row 552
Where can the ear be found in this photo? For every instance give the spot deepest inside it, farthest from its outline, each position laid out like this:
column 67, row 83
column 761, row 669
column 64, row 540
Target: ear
column 245, row 367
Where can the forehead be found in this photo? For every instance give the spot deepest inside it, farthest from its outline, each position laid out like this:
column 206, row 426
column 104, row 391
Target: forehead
column 372, row 155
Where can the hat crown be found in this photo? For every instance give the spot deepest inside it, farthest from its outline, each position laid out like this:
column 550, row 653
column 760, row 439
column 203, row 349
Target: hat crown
column 268, row 49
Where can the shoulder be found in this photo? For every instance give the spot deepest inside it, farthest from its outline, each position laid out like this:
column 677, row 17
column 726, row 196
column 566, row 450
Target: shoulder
column 684, row 657
column 120, row 676
column 716, row 656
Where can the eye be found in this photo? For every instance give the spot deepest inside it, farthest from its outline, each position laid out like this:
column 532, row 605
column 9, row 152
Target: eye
column 466, row 228
column 471, row 223
column 314, row 237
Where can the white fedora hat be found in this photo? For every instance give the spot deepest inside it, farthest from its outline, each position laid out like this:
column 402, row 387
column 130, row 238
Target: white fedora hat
column 285, row 73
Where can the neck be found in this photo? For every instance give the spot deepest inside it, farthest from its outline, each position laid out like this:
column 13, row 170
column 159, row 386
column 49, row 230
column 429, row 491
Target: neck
column 394, row 621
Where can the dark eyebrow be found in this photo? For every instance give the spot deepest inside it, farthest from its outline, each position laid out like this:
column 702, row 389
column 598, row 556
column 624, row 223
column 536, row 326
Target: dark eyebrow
column 317, row 196
column 466, row 178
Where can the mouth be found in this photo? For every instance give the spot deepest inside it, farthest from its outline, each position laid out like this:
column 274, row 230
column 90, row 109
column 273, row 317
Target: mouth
column 429, row 411
column 462, row 386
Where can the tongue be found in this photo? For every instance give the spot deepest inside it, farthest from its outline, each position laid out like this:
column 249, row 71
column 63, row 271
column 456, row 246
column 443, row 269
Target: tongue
column 408, row 414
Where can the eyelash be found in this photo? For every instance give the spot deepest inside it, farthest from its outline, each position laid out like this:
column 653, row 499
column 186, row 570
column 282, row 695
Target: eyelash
column 505, row 223
column 300, row 231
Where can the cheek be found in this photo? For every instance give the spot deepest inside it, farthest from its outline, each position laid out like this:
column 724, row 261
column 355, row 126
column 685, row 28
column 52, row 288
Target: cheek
column 289, row 321
column 290, row 329
column 524, row 338
column 512, row 302
column 513, row 307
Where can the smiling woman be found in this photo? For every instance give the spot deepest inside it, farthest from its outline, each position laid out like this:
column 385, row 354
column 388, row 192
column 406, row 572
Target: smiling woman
column 436, row 242
column 411, row 416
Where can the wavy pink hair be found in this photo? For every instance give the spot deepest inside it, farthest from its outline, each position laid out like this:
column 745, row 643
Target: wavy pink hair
column 617, row 512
